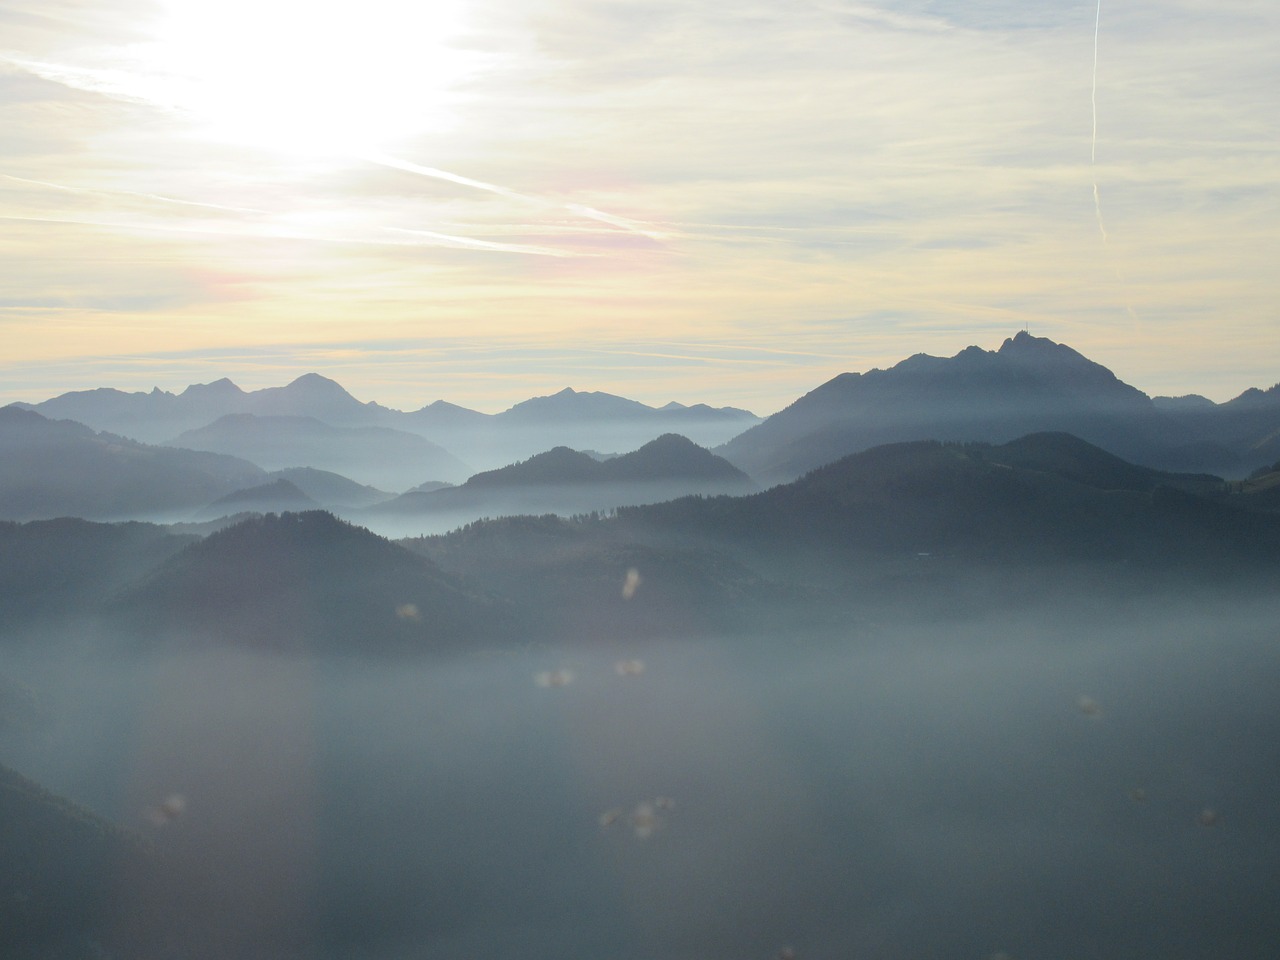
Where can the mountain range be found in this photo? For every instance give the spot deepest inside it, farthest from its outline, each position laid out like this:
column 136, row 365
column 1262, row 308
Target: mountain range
column 567, row 482
column 1029, row 384
column 944, row 497
column 380, row 456
column 303, row 580
column 572, row 418
column 55, row 468
column 926, row 532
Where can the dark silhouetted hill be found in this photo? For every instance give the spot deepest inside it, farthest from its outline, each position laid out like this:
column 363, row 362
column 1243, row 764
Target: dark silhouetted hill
column 568, row 482
column 937, row 527
column 65, row 873
column 332, row 489
column 1030, row 384
column 669, row 457
column 585, row 581
column 1044, row 497
column 52, row 468
column 51, row 570
column 275, row 497
column 559, row 465
column 308, row 581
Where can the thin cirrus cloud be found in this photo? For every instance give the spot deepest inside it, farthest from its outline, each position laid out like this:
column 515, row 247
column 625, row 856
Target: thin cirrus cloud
column 869, row 180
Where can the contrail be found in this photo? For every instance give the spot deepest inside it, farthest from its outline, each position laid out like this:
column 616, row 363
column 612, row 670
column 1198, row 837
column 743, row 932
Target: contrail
column 474, row 244
column 1097, row 24
column 102, row 83
column 1093, row 142
column 128, row 193
column 1093, row 154
column 631, row 226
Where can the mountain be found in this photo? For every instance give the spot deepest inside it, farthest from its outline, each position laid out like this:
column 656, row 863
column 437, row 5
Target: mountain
column 308, row 581
column 934, row 528
column 332, row 489
column 568, row 482
column 588, row 581
column 374, row 455
column 55, row 569
column 277, row 496
column 312, row 395
column 574, row 406
column 1047, row 497
column 667, row 458
column 1030, row 384
column 673, row 457
column 158, row 415
column 52, row 468
column 64, row 872
column 569, row 418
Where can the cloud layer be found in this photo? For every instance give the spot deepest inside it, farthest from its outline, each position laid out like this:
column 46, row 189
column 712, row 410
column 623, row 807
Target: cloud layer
column 856, row 181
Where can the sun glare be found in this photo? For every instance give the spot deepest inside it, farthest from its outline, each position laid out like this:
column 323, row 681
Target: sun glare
column 322, row 77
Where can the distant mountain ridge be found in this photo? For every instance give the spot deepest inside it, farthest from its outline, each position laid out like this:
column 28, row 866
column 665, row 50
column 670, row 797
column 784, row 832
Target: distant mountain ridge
column 669, row 457
column 381, row 456
column 1049, row 496
column 52, row 468
column 1029, row 384
column 566, row 482
column 581, row 419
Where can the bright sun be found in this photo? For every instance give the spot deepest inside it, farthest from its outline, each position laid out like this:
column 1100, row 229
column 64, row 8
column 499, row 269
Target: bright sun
column 309, row 77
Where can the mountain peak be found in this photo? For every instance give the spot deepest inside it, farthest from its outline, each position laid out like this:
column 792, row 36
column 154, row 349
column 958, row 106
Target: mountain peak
column 315, row 383
column 218, row 388
column 570, row 404
column 1024, row 345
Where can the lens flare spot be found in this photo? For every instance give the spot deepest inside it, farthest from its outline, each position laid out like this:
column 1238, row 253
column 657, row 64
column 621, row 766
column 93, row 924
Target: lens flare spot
column 1088, row 706
column 631, row 584
column 168, row 810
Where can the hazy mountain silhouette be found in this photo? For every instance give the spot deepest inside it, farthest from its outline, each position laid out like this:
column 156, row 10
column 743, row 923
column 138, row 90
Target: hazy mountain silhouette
column 922, row 523
column 1030, row 384
column 1043, row 497
column 58, row 569
column 669, row 457
column 588, row 581
column 308, row 581
column 571, row 418
column 375, row 455
column 51, row 468
column 1261, row 491
column 159, row 415
column 566, row 482
column 332, row 489
column 277, row 496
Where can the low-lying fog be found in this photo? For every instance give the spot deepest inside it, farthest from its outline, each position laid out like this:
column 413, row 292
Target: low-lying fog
column 1060, row 784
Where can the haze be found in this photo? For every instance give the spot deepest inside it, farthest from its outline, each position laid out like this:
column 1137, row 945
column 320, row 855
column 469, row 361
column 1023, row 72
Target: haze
column 883, row 790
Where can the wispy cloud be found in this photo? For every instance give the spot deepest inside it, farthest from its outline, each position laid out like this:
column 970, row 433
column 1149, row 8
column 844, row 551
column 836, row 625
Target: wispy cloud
column 853, row 180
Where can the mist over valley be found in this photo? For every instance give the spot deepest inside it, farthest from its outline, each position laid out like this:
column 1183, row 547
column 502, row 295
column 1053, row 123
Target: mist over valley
column 973, row 657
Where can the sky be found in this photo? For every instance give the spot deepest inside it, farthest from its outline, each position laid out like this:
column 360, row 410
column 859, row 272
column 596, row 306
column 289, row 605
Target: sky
column 721, row 202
